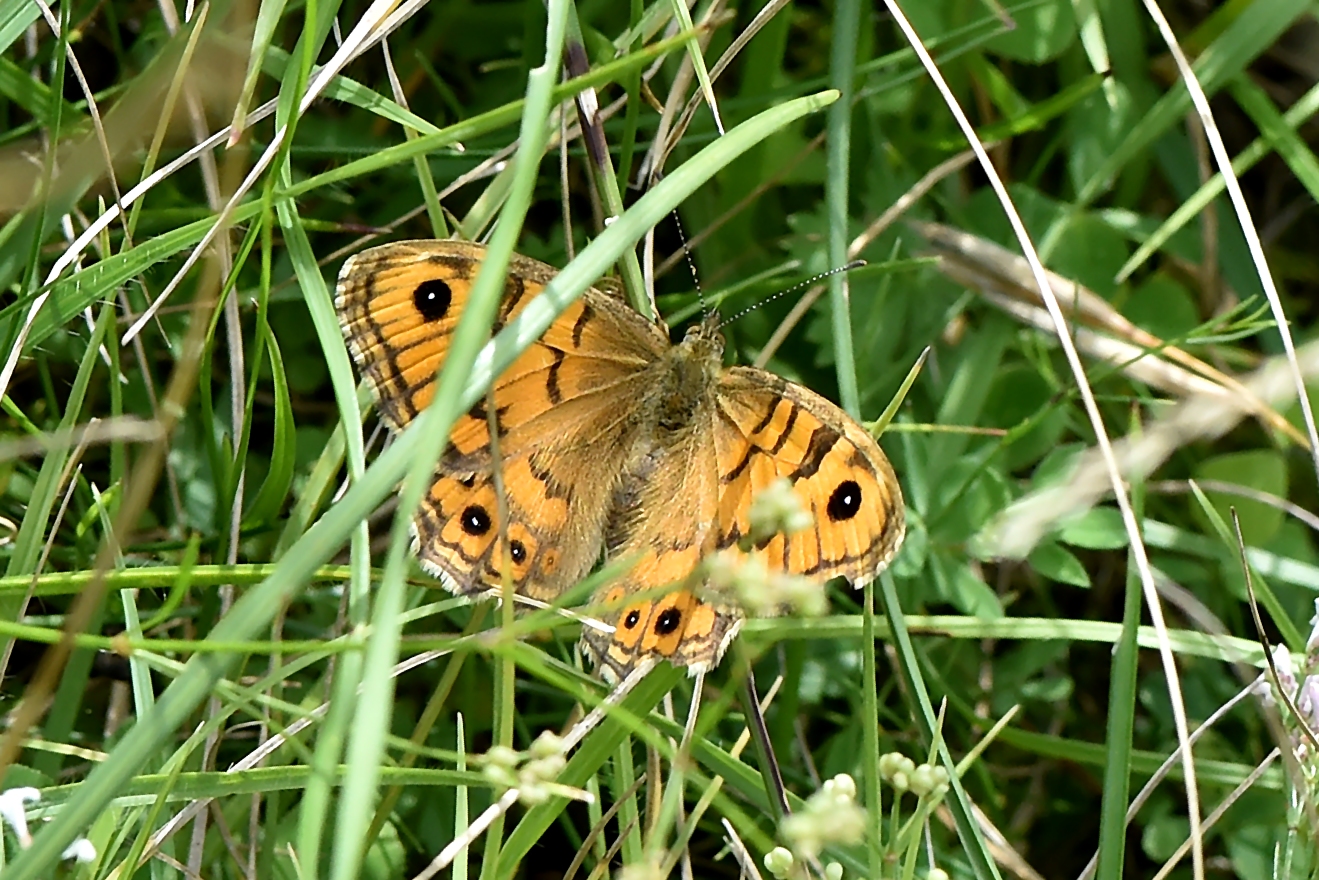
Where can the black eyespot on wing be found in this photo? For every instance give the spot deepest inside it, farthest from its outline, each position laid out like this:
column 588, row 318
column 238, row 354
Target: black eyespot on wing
column 632, row 619
column 517, row 551
column 469, row 481
column 668, row 621
column 475, row 520
column 845, row 502
column 432, row 298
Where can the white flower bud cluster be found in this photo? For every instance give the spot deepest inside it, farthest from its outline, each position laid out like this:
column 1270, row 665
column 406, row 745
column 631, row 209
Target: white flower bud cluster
column 905, row 775
column 776, row 510
column 831, row 815
column 761, row 593
column 13, row 811
column 533, row 774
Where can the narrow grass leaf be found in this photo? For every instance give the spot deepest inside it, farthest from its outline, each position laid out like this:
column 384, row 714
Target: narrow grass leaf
column 1122, row 694
column 842, row 71
column 274, row 489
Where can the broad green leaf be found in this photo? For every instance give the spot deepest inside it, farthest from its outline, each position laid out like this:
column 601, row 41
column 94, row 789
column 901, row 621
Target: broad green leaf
column 1261, row 470
column 1042, row 32
column 1099, row 528
column 1163, row 306
column 1056, row 563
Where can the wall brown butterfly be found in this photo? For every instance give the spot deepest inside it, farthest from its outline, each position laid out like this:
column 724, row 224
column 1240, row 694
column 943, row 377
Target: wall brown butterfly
column 615, row 441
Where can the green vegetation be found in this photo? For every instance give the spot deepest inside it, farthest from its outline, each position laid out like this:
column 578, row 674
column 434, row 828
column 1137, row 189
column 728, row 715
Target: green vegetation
column 218, row 653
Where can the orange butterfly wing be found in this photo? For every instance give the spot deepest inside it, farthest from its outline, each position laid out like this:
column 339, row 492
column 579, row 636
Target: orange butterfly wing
column 556, row 410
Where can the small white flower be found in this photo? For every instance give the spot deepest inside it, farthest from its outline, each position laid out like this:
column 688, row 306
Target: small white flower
column 536, row 779
column 13, row 810
column 841, row 786
column 81, row 850
column 833, row 871
column 1307, row 701
column 545, row 761
column 831, row 815
column 533, row 774
column 547, row 744
column 896, row 769
column 775, row 510
column 929, row 780
column 500, row 762
column 760, row 592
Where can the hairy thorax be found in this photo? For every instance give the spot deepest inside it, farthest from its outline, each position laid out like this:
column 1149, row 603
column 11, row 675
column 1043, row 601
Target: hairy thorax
column 686, row 378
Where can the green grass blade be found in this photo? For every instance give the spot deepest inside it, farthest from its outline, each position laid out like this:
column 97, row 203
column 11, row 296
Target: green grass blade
column 269, row 499
column 842, row 70
column 974, row 846
column 1122, row 696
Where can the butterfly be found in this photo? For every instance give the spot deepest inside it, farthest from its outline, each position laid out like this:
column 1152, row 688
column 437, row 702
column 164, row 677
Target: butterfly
column 612, row 442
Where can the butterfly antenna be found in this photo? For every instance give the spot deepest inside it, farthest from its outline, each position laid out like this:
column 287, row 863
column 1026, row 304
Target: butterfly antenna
column 687, row 253
column 814, row 279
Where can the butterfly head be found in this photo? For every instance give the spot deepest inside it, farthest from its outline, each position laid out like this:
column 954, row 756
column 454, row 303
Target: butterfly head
column 705, row 340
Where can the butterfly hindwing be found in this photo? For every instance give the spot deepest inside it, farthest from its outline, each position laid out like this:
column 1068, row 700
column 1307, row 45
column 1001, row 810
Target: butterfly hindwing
column 552, row 531
column 666, row 620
